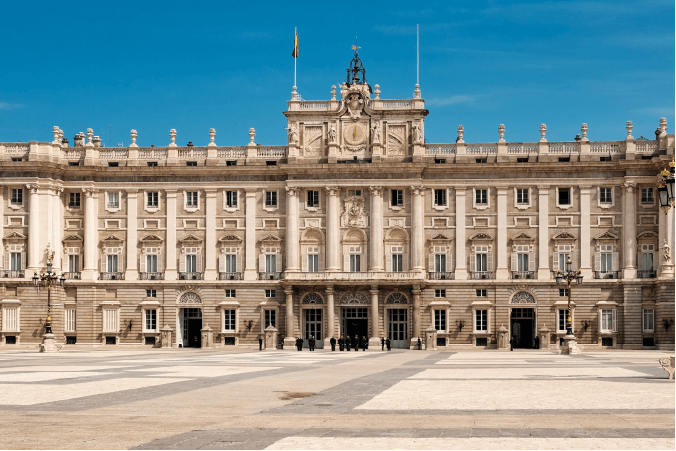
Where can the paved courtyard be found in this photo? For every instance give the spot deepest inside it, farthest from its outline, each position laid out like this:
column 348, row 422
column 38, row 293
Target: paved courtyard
column 204, row 399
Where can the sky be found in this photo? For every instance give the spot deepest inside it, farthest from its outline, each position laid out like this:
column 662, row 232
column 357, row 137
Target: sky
column 192, row 66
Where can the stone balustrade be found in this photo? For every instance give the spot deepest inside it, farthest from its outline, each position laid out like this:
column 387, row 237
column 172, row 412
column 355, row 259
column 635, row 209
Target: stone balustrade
column 347, row 276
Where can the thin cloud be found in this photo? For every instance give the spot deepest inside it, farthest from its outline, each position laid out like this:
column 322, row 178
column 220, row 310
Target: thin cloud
column 10, row 106
column 450, row 100
column 657, row 111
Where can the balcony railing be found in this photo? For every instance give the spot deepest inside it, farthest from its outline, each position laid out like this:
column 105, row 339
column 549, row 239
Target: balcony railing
column 231, row 152
column 605, row 274
column 647, row 274
column 481, row 275
column 111, row 276
column 523, row 274
column 190, row 276
column 269, row 275
column 151, row 275
column 72, row 275
column 433, row 275
column 440, row 149
column 365, row 275
column 11, row 274
column 229, row 276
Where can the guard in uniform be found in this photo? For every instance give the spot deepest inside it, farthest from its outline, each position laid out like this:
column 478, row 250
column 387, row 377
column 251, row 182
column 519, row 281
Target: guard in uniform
column 355, row 343
column 341, row 343
column 260, row 343
column 363, row 344
column 388, row 343
column 382, row 344
column 311, row 342
column 333, row 344
column 419, row 345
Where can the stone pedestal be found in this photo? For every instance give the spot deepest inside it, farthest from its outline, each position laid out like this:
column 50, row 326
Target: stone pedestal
column 431, row 339
column 207, row 337
column 376, row 153
column 374, row 344
column 270, row 338
column 165, row 336
column 333, row 152
column 569, row 345
column 503, row 338
column 290, row 343
column 545, row 335
column 47, row 344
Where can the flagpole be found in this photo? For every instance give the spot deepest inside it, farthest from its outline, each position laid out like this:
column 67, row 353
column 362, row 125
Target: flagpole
column 417, row 75
column 295, row 59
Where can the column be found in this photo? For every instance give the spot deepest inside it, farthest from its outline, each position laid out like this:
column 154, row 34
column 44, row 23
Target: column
column 2, row 223
column 57, row 218
column 170, row 272
column 292, row 229
column 585, row 232
column 333, row 229
column 629, row 231
column 330, row 315
column 543, row 232
column 460, row 259
column 666, row 235
column 416, row 316
column 502, row 270
column 417, row 228
column 210, row 268
column 376, row 333
column 377, row 228
column 289, row 335
column 131, row 268
column 250, row 264
column 33, row 231
column 91, row 261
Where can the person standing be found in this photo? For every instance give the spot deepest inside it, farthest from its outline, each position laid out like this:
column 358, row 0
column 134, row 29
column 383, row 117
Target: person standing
column 419, row 345
column 388, row 342
column 382, row 344
column 333, row 343
column 363, row 344
column 355, row 342
column 311, row 342
column 260, row 343
column 537, row 342
column 341, row 343
column 511, row 344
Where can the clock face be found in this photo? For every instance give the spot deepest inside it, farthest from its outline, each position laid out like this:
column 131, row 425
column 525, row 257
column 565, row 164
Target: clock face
column 354, row 134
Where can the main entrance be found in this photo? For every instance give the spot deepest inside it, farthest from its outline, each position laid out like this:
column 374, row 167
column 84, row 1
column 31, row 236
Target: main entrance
column 190, row 327
column 355, row 321
column 313, row 327
column 523, row 327
column 397, row 325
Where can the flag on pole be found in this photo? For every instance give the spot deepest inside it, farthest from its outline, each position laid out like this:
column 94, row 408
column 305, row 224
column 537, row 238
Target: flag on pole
column 295, row 47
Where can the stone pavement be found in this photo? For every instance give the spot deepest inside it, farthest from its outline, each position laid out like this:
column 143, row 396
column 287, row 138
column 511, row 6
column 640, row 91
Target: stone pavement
column 215, row 399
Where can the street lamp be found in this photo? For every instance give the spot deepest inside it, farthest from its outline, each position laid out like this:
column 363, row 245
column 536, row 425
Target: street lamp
column 569, row 275
column 665, row 187
column 48, row 279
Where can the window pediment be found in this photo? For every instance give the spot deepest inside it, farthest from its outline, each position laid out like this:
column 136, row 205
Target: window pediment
column 607, row 236
column 111, row 240
column 190, row 239
column 72, row 238
column 523, row 237
column 564, row 236
column 270, row 239
column 481, row 236
column 230, row 239
column 151, row 239
column 15, row 236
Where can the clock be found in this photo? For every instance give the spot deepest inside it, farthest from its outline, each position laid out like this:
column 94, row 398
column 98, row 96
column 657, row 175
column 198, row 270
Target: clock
column 354, row 134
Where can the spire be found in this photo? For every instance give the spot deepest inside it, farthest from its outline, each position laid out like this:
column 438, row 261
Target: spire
column 356, row 74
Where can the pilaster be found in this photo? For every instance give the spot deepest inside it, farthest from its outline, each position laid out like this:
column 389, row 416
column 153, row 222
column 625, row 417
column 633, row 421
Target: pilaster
column 417, row 228
column 292, row 229
column 90, row 269
column 290, row 333
column 170, row 272
column 250, row 249
column 460, row 259
column 57, row 219
column 333, row 229
column 131, row 268
column 585, row 232
column 629, row 231
column 2, row 225
column 502, row 270
column 330, row 315
column 210, row 269
column 543, row 232
column 33, row 229
column 376, row 331
column 377, row 228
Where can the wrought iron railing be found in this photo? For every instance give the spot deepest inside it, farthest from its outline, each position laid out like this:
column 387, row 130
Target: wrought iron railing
column 647, row 274
column 523, row 274
column 434, row 275
column 151, row 275
column 11, row 274
column 190, row 276
column 269, row 275
column 605, row 274
column 111, row 276
column 480, row 275
column 229, row 276
column 72, row 275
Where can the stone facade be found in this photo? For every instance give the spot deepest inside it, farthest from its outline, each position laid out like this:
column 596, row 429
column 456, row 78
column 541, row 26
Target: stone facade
column 356, row 225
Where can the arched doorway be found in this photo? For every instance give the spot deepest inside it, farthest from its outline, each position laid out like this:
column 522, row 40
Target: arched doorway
column 313, row 319
column 354, row 318
column 189, row 321
column 523, row 320
column 397, row 320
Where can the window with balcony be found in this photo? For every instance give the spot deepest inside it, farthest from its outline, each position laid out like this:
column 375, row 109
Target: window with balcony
column 646, row 262
column 190, row 263
column 397, row 258
column 560, row 257
column 355, row 258
column 229, row 263
column 606, row 262
column 523, row 262
column 269, row 263
column 481, row 262
column 312, row 259
column 151, row 264
column 112, row 263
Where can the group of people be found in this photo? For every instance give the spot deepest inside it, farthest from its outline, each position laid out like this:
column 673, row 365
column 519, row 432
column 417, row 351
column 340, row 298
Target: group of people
column 345, row 343
column 311, row 343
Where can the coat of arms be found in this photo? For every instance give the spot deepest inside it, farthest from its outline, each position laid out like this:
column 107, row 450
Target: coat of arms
column 355, row 104
column 354, row 214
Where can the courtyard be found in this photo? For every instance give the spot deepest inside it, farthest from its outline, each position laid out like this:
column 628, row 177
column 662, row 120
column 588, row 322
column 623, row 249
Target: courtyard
column 205, row 399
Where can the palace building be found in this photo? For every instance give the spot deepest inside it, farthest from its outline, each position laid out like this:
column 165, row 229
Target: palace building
column 356, row 225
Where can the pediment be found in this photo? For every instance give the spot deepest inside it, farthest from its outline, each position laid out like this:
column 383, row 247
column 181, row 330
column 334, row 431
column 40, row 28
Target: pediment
column 151, row 239
column 111, row 238
column 440, row 237
column 270, row 238
column 15, row 236
column 190, row 238
column 564, row 236
column 230, row 238
column 73, row 238
column 523, row 237
column 481, row 236
column 647, row 234
column 607, row 236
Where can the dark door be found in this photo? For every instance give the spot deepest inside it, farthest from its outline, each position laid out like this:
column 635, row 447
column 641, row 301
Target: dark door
column 355, row 322
column 523, row 322
column 195, row 332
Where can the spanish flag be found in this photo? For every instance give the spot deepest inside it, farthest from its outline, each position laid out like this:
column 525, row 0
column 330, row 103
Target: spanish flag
column 295, row 46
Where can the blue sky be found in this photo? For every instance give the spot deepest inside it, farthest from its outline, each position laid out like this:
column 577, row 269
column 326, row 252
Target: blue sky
column 114, row 66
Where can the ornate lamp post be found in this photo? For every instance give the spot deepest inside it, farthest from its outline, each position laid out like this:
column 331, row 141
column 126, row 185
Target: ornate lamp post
column 665, row 187
column 48, row 278
column 569, row 275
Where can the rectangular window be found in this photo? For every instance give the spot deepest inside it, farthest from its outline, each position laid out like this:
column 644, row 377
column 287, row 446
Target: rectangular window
column 191, row 163
column 606, row 195
column 481, row 197
column 74, row 200
column 113, row 200
column 354, row 192
column 397, row 262
column 151, row 293
column 482, row 260
column 481, row 320
column 269, row 293
column 270, row 319
column 481, row 293
column 440, row 293
column 71, row 317
column 73, row 263
column 562, row 320
column 647, row 263
column 397, row 197
column 230, row 263
column 355, row 263
column 231, row 163
column 522, row 262
column 112, row 263
column 152, row 164
column 440, row 263
column 647, row 196
column 151, row 263
column 15, row 261
column 191, row 199
column 231, row 199
column 191, row 263
column 563, row 292
column 151, row 319
column 230, row 293
column 606, row 261
column 271, row 263
column 153, row 199
column 440, row 197
column 648, row 320
column 563, row 261
column 271, row 198
column 440, row 320
column 229, row 319
column 564, row 196
column 312, row 198
column 313, row 263
column 608, row 320
column 522, row 196
column 17, row 196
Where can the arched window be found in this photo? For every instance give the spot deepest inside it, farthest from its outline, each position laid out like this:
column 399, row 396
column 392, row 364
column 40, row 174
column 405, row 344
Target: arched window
column 312, row 298
column 397, row 298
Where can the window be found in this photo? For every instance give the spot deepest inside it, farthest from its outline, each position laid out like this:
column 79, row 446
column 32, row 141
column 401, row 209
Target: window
column 151, row 319
column 440, row 320
column 648, row 320
column 522, row 196
column 647, row 263
column 191, row 260
column 397, row 198
column 270, row 318
column 113, row 164
column 231, row 163
column 397, row 258
column 440, row 197
column 271, row 198
column 481, row 255
column 191, row 199
column 522, row 159
column 354, row 192
column 608, row 320
column 439, row 262
column 647, row 196
column 70, row 322
column 564, row 196
column 481, row 197
column 522, row 256
column 269, row 293
column 312, row 198
column 440, row 293
column 151, row 260
column 73, row 263
column 17, row 196
column 313, row 258
column 230, row 259
column 606, row 195
column 231, row 199
column 229, row 317
column 355, row 263
column 151, row 293
column 481, row 320
column 561, row 258
column 606, row 258
column 152, row 164
column 153, row 199
column 230, row 293
column 191, row 163
column 605, row 159
column 111, row 265
column 17, row 159
column 113, row 200
column 74, row 200
column 481, row 293
column 563, row 292
column 564, row 159
column 271, row 263
column 562, row 320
